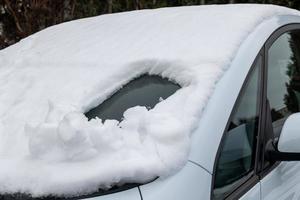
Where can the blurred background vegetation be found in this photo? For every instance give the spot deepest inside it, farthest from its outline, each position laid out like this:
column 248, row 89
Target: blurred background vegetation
column 20, row 18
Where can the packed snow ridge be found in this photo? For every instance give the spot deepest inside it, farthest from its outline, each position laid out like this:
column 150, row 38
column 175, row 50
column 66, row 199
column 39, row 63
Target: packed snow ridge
column 48, row 80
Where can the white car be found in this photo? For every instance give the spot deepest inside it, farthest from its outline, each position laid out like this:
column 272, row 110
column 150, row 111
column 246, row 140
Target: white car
column 246, row 144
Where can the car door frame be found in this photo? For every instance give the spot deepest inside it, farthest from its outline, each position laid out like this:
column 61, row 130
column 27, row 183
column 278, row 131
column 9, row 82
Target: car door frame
column 267, row 127
column 252, row 178
column 264, row 131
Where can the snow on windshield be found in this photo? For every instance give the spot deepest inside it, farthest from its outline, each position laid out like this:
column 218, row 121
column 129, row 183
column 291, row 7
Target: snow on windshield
column 50, row 79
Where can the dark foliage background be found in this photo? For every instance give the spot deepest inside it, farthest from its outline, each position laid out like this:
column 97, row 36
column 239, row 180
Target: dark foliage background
column 20, row 18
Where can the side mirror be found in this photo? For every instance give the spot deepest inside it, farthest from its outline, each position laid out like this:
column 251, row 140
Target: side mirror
column 287, row 148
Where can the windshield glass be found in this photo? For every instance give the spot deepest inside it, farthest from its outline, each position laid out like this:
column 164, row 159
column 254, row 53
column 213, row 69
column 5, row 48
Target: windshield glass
column 143, row 91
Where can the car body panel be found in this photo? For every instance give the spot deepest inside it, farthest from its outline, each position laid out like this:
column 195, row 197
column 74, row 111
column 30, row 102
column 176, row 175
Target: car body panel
column 253, row 193
column 192, row 183
column 132, row 194
column 216, row 114
column 282, row 183
column 194, row 180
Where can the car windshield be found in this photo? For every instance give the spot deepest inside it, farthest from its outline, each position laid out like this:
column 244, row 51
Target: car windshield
column 143, row 91
column 147, row 90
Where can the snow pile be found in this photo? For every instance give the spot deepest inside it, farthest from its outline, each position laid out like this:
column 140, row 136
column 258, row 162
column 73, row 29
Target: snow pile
column 48, row 80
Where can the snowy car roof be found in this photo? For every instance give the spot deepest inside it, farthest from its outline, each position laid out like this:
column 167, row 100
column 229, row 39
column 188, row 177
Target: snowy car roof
column 49, row 79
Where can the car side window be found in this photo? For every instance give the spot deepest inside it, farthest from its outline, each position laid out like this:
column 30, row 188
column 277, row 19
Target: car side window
column 283, row 85
column 236, row 159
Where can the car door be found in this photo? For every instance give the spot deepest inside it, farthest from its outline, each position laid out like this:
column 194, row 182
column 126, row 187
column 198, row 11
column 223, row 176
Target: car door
column 235, row 174
column 281, row 180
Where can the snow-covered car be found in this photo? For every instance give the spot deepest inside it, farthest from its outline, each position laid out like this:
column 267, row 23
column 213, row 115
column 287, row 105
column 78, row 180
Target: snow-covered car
column 197, row 102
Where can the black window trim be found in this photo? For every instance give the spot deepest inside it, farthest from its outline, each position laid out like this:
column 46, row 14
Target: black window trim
column 258, row 173
column 251, row 179
column 270, row 41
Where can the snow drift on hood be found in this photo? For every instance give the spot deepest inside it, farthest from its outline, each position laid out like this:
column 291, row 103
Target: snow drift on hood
column 48, row 80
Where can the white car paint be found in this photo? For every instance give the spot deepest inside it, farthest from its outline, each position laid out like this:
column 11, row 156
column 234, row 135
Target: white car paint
column 132, row 194
column 194, row 180
column 213, row 122
column 192, row 183
column 283, row 183
column 253, row 194
column 271, row 187
column 290, row 137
